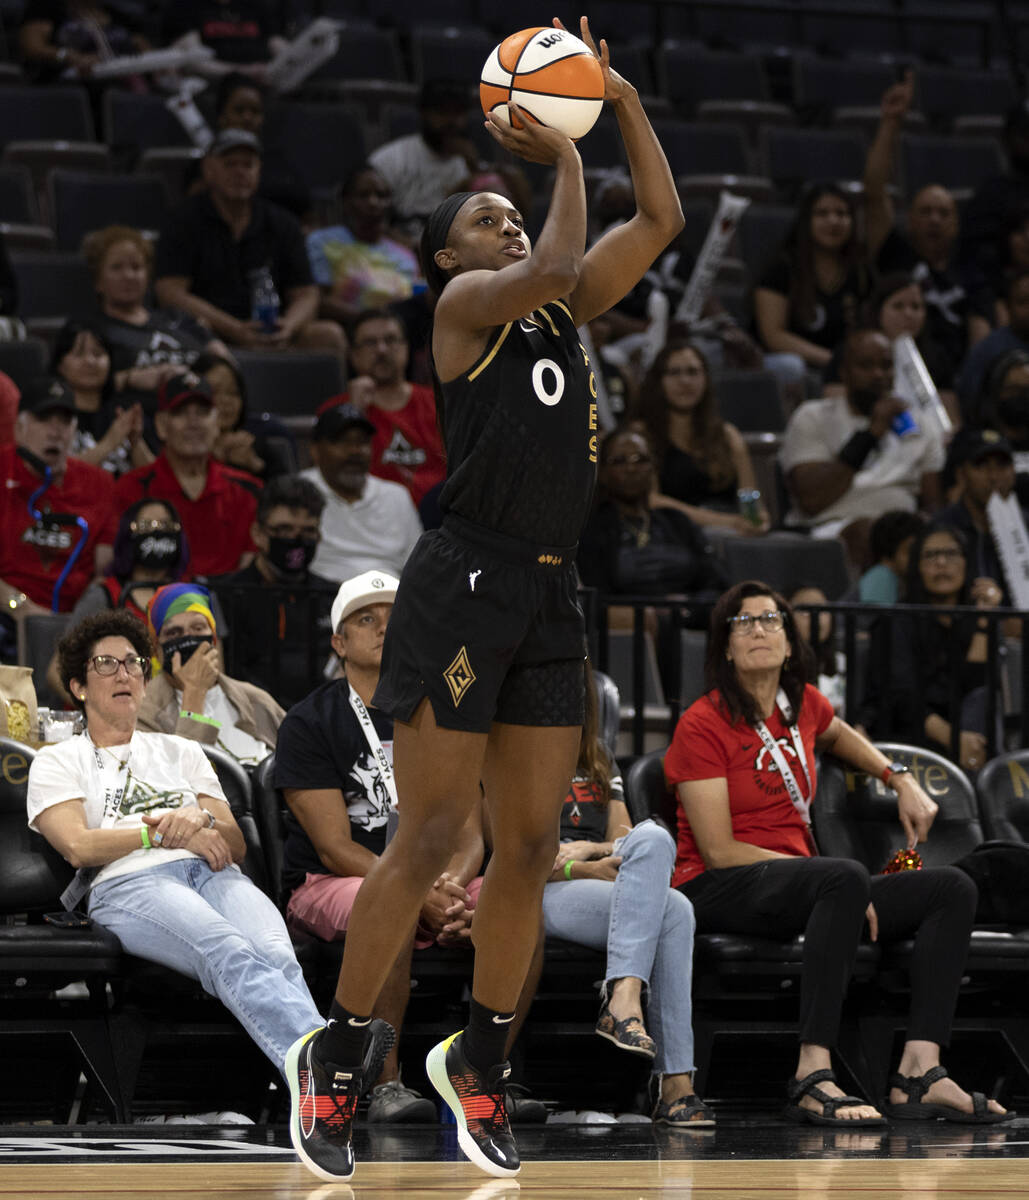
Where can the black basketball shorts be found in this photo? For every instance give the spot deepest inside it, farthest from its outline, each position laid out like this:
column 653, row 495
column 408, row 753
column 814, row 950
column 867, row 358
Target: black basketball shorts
column 487, row 627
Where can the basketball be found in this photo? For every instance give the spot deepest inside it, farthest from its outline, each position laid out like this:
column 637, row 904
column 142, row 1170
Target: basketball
column 550, row 74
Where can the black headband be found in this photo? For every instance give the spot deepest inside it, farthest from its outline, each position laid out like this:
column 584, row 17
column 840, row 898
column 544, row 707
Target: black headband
column 438, row 225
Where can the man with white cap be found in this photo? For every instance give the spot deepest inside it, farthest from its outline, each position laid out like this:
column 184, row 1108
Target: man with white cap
column 333, row 762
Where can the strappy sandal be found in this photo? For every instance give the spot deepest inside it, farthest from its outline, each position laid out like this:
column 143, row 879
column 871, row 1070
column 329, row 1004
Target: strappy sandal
column 796, row 1089
column 682, row 1113
column 629, row 1034
column 915, row 1109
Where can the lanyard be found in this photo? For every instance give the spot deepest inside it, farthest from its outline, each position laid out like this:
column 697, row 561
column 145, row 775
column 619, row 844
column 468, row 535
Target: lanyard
column 775, row 750
column 374, row 744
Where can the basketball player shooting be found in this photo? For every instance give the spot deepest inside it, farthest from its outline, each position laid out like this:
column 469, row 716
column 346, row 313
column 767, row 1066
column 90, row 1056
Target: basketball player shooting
column 482, row 666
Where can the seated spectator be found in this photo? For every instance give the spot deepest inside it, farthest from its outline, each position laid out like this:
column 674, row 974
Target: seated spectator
column 258, row 444
column 1008, row 412
column 147, row 346
column 915, row 658
column 830, row 663
column 701, row 461
column 746, row 860
column 896, row 307
column 844, row 463
column 214, row 244
column 809, row 297
column 982, row 463
column 356, row 264
column 407, row 447
column 215, row 503
column 927, row 248
column 334, row 765
column 628, row 545
column 609, row 890
column 244, row 34
column 144, row 819
column 191, row 696
column 369, row 524
column 424, row 168
column 997, row 198
column 890, row 539
column 60, row 39
column 278, row 609
column 149, row 550
column 107, row 434
column 973, row 379
column 57, row 514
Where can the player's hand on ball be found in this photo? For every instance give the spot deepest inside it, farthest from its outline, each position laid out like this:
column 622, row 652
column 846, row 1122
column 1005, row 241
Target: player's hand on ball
column 615, row 87
column 534, row 143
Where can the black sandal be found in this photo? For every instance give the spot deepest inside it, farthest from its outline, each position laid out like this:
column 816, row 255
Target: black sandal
column 808, row 1086
column 687, row 1112
column 915, row 1109
column 629, row 1034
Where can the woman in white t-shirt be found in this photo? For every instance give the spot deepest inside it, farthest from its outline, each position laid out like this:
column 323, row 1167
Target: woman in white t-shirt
column 143, row 818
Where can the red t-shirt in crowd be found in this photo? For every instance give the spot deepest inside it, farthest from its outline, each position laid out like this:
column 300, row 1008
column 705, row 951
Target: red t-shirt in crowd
column 706, row 746
column 9, row 398
column 217, row 523
column 406, row 447
column 34, row 553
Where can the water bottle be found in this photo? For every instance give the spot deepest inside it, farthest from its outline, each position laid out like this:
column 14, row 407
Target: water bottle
column 264, row 299
column 750, row 499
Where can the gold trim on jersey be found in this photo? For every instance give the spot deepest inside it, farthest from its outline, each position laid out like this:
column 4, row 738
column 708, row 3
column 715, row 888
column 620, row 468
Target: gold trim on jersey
column 492, row 354
column 561, row 304
column 550, row 320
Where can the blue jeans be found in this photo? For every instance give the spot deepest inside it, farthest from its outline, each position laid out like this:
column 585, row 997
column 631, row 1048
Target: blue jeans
column 218, row 928
column 646, row 930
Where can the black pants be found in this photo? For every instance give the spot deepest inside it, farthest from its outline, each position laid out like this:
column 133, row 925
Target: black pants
column 825, row 899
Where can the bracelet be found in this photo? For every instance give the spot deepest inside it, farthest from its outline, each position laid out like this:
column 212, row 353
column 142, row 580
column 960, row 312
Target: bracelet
column 210, row 817
column 568, row 868
column 144, row 837
column 193, row 716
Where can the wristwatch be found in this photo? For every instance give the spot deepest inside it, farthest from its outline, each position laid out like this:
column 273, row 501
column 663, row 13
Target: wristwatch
column 894, row 768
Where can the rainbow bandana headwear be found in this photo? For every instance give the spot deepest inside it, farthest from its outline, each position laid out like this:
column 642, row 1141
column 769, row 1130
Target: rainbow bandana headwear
column 173, row 599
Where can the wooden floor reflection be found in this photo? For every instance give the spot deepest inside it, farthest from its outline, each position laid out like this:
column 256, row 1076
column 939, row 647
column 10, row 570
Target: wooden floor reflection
column 839, row 1178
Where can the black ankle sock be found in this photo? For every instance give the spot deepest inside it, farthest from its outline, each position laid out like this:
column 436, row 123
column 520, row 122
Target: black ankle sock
column 485, row 1035
column 345, row 1037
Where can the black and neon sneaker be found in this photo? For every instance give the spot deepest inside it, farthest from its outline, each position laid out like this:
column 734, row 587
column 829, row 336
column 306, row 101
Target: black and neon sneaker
column 479, row 1105
column 323, row 1100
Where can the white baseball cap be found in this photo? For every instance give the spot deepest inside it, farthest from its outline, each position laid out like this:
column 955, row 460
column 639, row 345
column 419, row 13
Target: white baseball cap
column 373, row 587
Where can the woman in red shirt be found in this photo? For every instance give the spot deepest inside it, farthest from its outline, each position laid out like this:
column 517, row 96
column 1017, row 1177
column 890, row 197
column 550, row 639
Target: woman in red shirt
column 743, row 765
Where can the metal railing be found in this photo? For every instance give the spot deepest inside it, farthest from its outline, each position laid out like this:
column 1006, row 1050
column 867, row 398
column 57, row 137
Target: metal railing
column 1006, row 689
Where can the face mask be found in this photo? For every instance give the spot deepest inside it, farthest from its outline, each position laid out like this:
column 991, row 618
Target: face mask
column 156, row 549
column 186, row 646
column 291, row 555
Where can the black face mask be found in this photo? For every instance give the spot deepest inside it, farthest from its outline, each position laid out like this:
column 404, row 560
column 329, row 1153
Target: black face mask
column 291, row 555
column 156, row 549
column 185, row 646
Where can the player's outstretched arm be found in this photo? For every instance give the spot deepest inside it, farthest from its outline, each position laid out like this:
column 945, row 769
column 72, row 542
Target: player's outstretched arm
column 480, row 299
column 621, row 258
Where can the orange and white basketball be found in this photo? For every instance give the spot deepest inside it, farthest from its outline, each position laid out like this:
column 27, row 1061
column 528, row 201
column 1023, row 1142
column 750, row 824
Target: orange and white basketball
column 550, row 74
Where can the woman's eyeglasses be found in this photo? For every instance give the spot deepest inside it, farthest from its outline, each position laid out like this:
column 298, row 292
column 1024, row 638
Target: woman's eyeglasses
column 164, row 526
column 745, row 624
column 107, row 664
column 944, row 554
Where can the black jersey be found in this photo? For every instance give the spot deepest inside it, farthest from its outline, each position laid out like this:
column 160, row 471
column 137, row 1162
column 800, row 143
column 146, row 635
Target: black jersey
column 520, row 430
